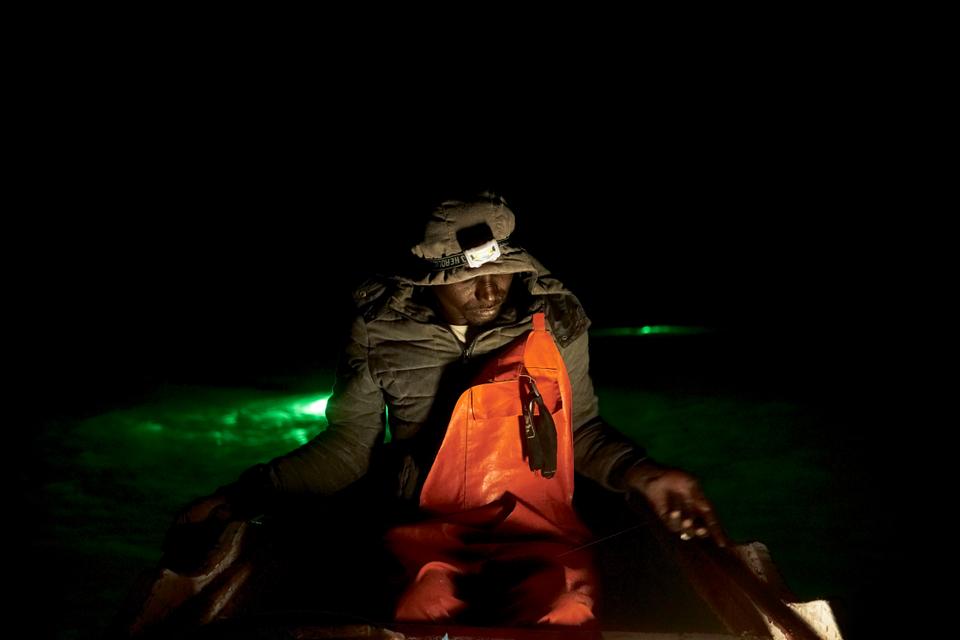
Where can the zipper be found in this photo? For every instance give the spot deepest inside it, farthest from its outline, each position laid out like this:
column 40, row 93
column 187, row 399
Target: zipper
column 468, row 349
column 471, row 346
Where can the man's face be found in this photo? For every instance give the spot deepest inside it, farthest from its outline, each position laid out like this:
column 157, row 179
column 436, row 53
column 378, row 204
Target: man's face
column 476, row 301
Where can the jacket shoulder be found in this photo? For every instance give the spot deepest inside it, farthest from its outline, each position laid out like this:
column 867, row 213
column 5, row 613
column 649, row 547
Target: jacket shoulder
column 371, row 297
column 566, row 317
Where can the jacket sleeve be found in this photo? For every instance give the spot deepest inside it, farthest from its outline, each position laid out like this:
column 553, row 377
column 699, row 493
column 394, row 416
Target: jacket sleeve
column 601, row 453
column 337, row 456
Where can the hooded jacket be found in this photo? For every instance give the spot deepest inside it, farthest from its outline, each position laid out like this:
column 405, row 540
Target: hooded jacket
column 403, row 369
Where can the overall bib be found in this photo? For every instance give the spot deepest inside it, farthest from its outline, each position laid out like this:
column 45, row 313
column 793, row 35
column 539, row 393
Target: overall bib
column 498, row 544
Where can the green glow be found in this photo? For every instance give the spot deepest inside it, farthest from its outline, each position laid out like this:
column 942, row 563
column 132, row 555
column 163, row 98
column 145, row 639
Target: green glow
column 651, row 330
column 302, row 436
column 387, row 434
column 299, row 418
column 268, row 422
column 316, row 408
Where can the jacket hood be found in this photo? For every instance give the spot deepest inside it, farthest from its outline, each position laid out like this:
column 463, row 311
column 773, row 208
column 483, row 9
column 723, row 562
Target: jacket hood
column 466, row 239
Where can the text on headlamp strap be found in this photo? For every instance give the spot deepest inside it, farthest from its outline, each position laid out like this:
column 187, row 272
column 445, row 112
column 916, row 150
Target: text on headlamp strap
column 473, row 258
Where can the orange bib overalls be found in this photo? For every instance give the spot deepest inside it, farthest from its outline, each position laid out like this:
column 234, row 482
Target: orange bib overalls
column 500, row 536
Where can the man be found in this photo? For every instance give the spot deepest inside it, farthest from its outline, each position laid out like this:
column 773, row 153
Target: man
column 477, row 359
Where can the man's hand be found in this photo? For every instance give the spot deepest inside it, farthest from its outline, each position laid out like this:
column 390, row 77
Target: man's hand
column 676, row 498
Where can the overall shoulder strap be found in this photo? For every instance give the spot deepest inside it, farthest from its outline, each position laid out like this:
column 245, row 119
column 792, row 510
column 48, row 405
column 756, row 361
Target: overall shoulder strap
column 539, row 322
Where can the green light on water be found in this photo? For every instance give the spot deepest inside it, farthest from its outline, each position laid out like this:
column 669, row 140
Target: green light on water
column 245, row 423
column 651, row 330
column 301, row 436
column 316, row 408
